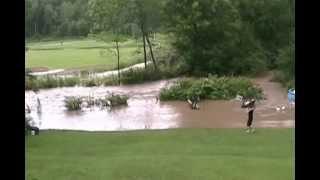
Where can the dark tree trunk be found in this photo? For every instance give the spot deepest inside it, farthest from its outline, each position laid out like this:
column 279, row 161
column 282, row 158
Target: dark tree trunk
column 151, row 52
column 118, row 54
column 144, row 51
column 35, row 28
column 144, row 46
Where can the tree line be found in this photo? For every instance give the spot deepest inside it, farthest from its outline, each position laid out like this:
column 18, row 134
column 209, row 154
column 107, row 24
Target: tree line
column 211, row 36
column 56, row 18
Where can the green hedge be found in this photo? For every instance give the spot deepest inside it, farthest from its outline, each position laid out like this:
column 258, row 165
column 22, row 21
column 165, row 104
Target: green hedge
column 215, row 88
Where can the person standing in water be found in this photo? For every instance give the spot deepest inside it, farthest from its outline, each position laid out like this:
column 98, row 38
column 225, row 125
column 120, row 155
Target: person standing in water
column 197, row 100
column 194, row 101
column 38, row 105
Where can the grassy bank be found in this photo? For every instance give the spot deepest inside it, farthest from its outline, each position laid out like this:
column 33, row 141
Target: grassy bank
column 80, row 54
column 86, row 54
column 133, row 76
column 185, row 154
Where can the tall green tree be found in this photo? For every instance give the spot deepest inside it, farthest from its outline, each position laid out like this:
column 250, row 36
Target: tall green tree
column 146, row 14
column 211, row 37
column 270, row 21
column 109, row 20
column 56, row 18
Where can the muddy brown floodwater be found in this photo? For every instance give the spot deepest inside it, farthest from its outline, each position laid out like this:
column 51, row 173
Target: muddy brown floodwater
column 144, row 112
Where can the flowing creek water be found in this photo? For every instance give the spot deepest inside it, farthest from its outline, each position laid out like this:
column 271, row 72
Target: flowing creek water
column 145, row 112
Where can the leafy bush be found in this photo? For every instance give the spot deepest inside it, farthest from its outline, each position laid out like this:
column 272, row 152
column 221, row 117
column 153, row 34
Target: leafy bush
column 73, row 103
column 116, row 100
column 222, row 88
column 285, row 65
column 281, row 77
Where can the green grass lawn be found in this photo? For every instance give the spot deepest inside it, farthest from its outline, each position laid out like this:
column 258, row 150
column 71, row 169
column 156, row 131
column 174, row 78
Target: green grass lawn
column 78, row 54
column 179, row 154
column 86, row 54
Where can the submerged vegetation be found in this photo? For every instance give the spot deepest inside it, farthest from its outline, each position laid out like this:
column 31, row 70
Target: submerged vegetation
column 215, row 88
column 73, row 103
column 116, row 100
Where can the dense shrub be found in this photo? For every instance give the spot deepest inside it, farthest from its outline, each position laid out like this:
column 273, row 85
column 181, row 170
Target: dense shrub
column 222, row 88
column 281, row 77
column 285, row 73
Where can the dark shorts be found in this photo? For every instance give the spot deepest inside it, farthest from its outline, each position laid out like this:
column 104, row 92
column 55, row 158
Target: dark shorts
column 250, row 118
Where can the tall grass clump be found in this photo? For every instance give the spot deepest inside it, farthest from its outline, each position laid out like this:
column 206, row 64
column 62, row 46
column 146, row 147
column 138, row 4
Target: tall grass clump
column 215, row 88
column 31, row 83
column 69, row 82
column 116, row 100
column 140, row 75
column 47, row 82
column 89, row 82
column 112, row 100
column 150, row 74
column 73, row 103
column 107, row 81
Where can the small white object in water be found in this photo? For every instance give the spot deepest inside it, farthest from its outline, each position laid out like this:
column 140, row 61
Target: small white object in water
column 283, row 107
column 277, row 108
column 189, row 101
column 85, row 104
column 238, row 98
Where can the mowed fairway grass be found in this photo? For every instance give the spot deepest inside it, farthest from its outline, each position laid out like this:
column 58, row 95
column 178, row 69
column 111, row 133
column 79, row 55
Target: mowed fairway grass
column 82, row 54
column 177, row 154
